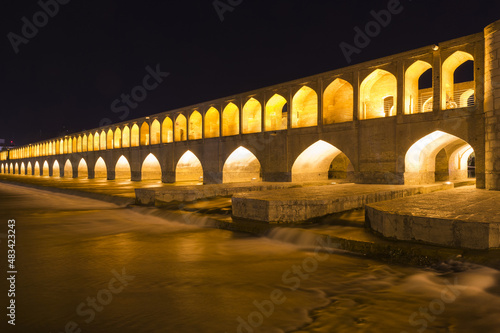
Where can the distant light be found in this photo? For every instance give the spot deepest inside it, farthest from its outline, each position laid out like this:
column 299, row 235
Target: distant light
column 448, row 183
column 333, row 183
column 435, row 47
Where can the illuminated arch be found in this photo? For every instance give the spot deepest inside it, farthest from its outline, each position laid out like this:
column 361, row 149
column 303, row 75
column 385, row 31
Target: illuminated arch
column 195, row 129
column 155, row 132
column 74, row 144
column 70, row 146
column 11, row 169
column 134, row 136
column 412, row 93
column 305, row 108
column 56, row 169
column 45, row 168
column 276, row 114
column 100, row 169
column 96, row 141
column 180, row 128
column 151, row 168
column 122, row 169
column 16, row 169
column 50, row 148
column 29, row 169
column 144, row 134
column 84, row 143
column 126, row 137
column 465, row 98
column 22, row 170
column 230, row 120
column 314, row 162
column 188, row 168
column 251, row 117
column 212, row 123
column 68, row 169
column 37, row 169
column 420, row 159
column 110, row 139
column 378, row 93
column 167, row 130
column 90, row 145
column 458, row 162
column 338, row 102
column 103, row 140
column 448, row 98
column 118, row 138
column 83, row 170
column 79, row 145
column 241, row 166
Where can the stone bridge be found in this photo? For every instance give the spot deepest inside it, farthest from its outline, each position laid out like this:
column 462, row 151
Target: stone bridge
column 417, row 117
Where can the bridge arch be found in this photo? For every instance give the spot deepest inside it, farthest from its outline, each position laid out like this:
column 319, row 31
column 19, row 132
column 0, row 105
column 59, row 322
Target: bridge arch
column 241, row 166
column 56, row 169
column 96, row 141
column 151, row 168
column 321, row 161
column 438, row 149
column 251, row 117
column 134, row 136
column 100, row 169
column 83, row 170
column 144, row 134
column 22, row 171
column 155, row 132
column 180, row 128
column 68, row 169
column 16, row 169
column 195, row 126
column 413, row 93
column 230, row 120
column 338, row 102
column 45, row 168
column 276, row 114
column 305, row 108
column 449, row 97
column 110, row 139
column 378, row 93
column 29, row 169
column 37, row 169
column 117, row 138
column 84, row 143
column 103, row 141
column 167, row 130
column 122, row 169
column 126, row 137
column 212, row 123
column 189, row 168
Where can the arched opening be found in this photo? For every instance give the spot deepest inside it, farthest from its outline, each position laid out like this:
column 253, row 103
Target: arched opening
column 134, row 137
column 180, row 128
column 126, row 137
column 37, row 169
column 155, row 132
column 56, row 169
column 11, row 169
column 230, row 120
column 241, row 166
column 276, row 113
column 195, row 129
column 22, row 170
column 437, row 156
column 79, row 145
column 61, row 147
column 68, row 169
column 122, row 169
column 167, row 130
column 416, row 92
column 75, row 148
column 70, row 147
column 338, row 102
column 91, row 142
column 189, row 168
column 318, row 162
column 457, row 77
column 83, row 170
column 100, row 169
column 110, row 142
column 84, row 143
column 471, row 166
column 102, row 138
column 252, row 117
column 144, row 134
column 151, row 168
column 467, row 98
column 305, row 108
column 96, row 141
column 45, row 168
column 376, row 91
column 118, row 138
column 212, row 123
column 16, row 169
column 29, row 169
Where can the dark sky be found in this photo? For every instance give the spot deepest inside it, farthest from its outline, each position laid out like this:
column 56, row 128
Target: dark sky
column 65, row 77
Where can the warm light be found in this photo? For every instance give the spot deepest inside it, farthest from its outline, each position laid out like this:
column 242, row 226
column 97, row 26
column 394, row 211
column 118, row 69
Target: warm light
column 338, row 102
column 230, row 120
column 275, row 118
column 151, row 168
column 241, row 166
column 83, row 171
column 305, row 101
column 188, row 168
column 122, row 168
column 251, row 120
column 314, row 162
column 100, row 170
column 374, row 91
column 212, row 123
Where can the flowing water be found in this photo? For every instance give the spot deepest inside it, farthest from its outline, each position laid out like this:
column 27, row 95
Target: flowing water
column 89, row 266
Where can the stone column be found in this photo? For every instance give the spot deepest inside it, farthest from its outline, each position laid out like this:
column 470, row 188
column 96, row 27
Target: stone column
column 492, row 105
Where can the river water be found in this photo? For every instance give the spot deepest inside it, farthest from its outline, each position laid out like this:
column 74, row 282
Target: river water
column 89, row 266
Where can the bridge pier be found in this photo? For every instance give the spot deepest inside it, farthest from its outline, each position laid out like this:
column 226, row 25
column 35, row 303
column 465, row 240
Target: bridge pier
column 492, row 105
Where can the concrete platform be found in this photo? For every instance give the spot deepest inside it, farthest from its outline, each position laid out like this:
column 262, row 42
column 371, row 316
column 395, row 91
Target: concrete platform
column 300, row 204
column 464, row 218
column 164, row 196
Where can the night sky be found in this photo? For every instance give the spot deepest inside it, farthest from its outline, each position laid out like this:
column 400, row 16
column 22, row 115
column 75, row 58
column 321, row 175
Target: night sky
column 65, row 77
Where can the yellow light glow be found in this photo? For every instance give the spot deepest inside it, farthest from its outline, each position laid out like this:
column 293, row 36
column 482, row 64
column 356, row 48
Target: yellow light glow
column 155, row 132
column 251, row 118
column 230, row 120
column 376, row 87
column 412, row 76
column 305, row 108
column 212, row 123
column 100, row 169
column 188, row 168
column 448, row 72
column 241, row 166
column 167, row 130
column 122, row 169
column 314, row 162
column 180, row 128
column 338, row 102
column 83, row 171
column 68, row 169
column 151, row 168
column 56, row 169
